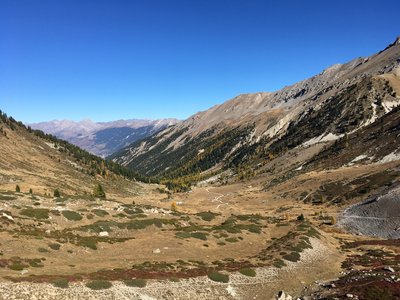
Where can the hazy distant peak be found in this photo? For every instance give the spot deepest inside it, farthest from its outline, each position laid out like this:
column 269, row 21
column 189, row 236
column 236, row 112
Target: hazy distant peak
column 103, row 138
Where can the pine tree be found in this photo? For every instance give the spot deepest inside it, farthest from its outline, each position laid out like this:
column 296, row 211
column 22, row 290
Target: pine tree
column 98, row 191
column 57, row 193
column 17, row 188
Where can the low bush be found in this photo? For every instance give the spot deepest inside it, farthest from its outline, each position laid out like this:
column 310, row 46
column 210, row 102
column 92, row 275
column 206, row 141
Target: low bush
column 136, row 282
column 54, row 246
column 207, row 216
column 219, row 277
column 293, row 256
column 99, row 284
column 61, row 283
column 71, row 215
column 199, row 235
column 248, row 272
column 231, row 240
column 278, row 263
column 100, row 212
column 37, row 213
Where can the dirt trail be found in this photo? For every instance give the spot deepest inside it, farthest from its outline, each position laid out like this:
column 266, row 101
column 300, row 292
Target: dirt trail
column 217, row 198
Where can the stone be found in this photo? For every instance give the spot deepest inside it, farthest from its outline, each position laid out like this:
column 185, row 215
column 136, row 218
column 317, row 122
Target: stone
column 282, row 296
column 103, row 233
column 156, row 251
column 390, row 269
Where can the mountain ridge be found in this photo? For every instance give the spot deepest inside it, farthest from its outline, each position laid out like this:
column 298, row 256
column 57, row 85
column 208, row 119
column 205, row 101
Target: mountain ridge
column 264, row 119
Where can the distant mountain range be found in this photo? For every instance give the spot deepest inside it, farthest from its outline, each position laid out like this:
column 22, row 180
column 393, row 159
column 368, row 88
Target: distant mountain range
column 103, row 138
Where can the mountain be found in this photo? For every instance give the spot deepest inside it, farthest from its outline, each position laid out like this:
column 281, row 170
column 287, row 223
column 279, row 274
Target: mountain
column 103, row 138
column 286, row 191
column 250, row 130
column 35, row 160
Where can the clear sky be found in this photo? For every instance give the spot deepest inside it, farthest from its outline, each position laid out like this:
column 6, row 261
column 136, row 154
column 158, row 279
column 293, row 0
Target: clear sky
column 107, row 60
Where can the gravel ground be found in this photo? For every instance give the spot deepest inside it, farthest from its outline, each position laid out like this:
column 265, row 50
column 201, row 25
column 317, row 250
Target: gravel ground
column 377, row 216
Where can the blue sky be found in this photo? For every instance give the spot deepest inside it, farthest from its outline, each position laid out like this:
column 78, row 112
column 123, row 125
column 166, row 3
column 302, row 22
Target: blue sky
column 108, row 60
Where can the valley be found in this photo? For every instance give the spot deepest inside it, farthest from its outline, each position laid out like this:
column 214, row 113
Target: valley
column 295, row 190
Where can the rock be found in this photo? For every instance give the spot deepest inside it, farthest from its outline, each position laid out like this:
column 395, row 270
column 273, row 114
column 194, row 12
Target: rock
column 8, row 217
column 390, row 269
column 350, row 296
column 156, row 251
column 103, row 233
column 282, row 296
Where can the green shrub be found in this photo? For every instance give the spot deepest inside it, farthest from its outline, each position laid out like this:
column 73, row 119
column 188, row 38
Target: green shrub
column 17, row 188
column 61, row 283
column 219, row 277
column 100, row 212
column 36, row 263
column 54, row 246
column 207, row 215
column 293, row 256
column 37, row 213
column 17, row 266
column 99, row 284
column 71, row 215
column 248, row 272
column 42, row 250
column 278, row 263
column 231, row 240
column 182, row 235
column 136, row 282
column 199, row 235
column 88, row 241
column 30, row 191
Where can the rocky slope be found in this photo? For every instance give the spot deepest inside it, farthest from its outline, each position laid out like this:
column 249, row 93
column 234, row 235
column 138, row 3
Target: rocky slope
column 103, row 138
column 254, row 128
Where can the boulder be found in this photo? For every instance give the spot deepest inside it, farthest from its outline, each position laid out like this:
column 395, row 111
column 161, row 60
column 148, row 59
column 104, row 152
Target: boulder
column 282, row 296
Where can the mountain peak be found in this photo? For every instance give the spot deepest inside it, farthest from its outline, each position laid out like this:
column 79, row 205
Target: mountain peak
column 395, row 43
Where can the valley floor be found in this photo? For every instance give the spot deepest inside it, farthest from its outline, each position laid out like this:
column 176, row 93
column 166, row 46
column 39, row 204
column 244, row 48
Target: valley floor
column 204, row 244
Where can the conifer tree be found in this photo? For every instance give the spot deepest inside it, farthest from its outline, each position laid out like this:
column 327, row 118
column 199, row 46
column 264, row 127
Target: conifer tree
column 98, row 191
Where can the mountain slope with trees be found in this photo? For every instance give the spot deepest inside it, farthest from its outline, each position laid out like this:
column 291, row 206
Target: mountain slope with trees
column 252, row 129
column 41, row 162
